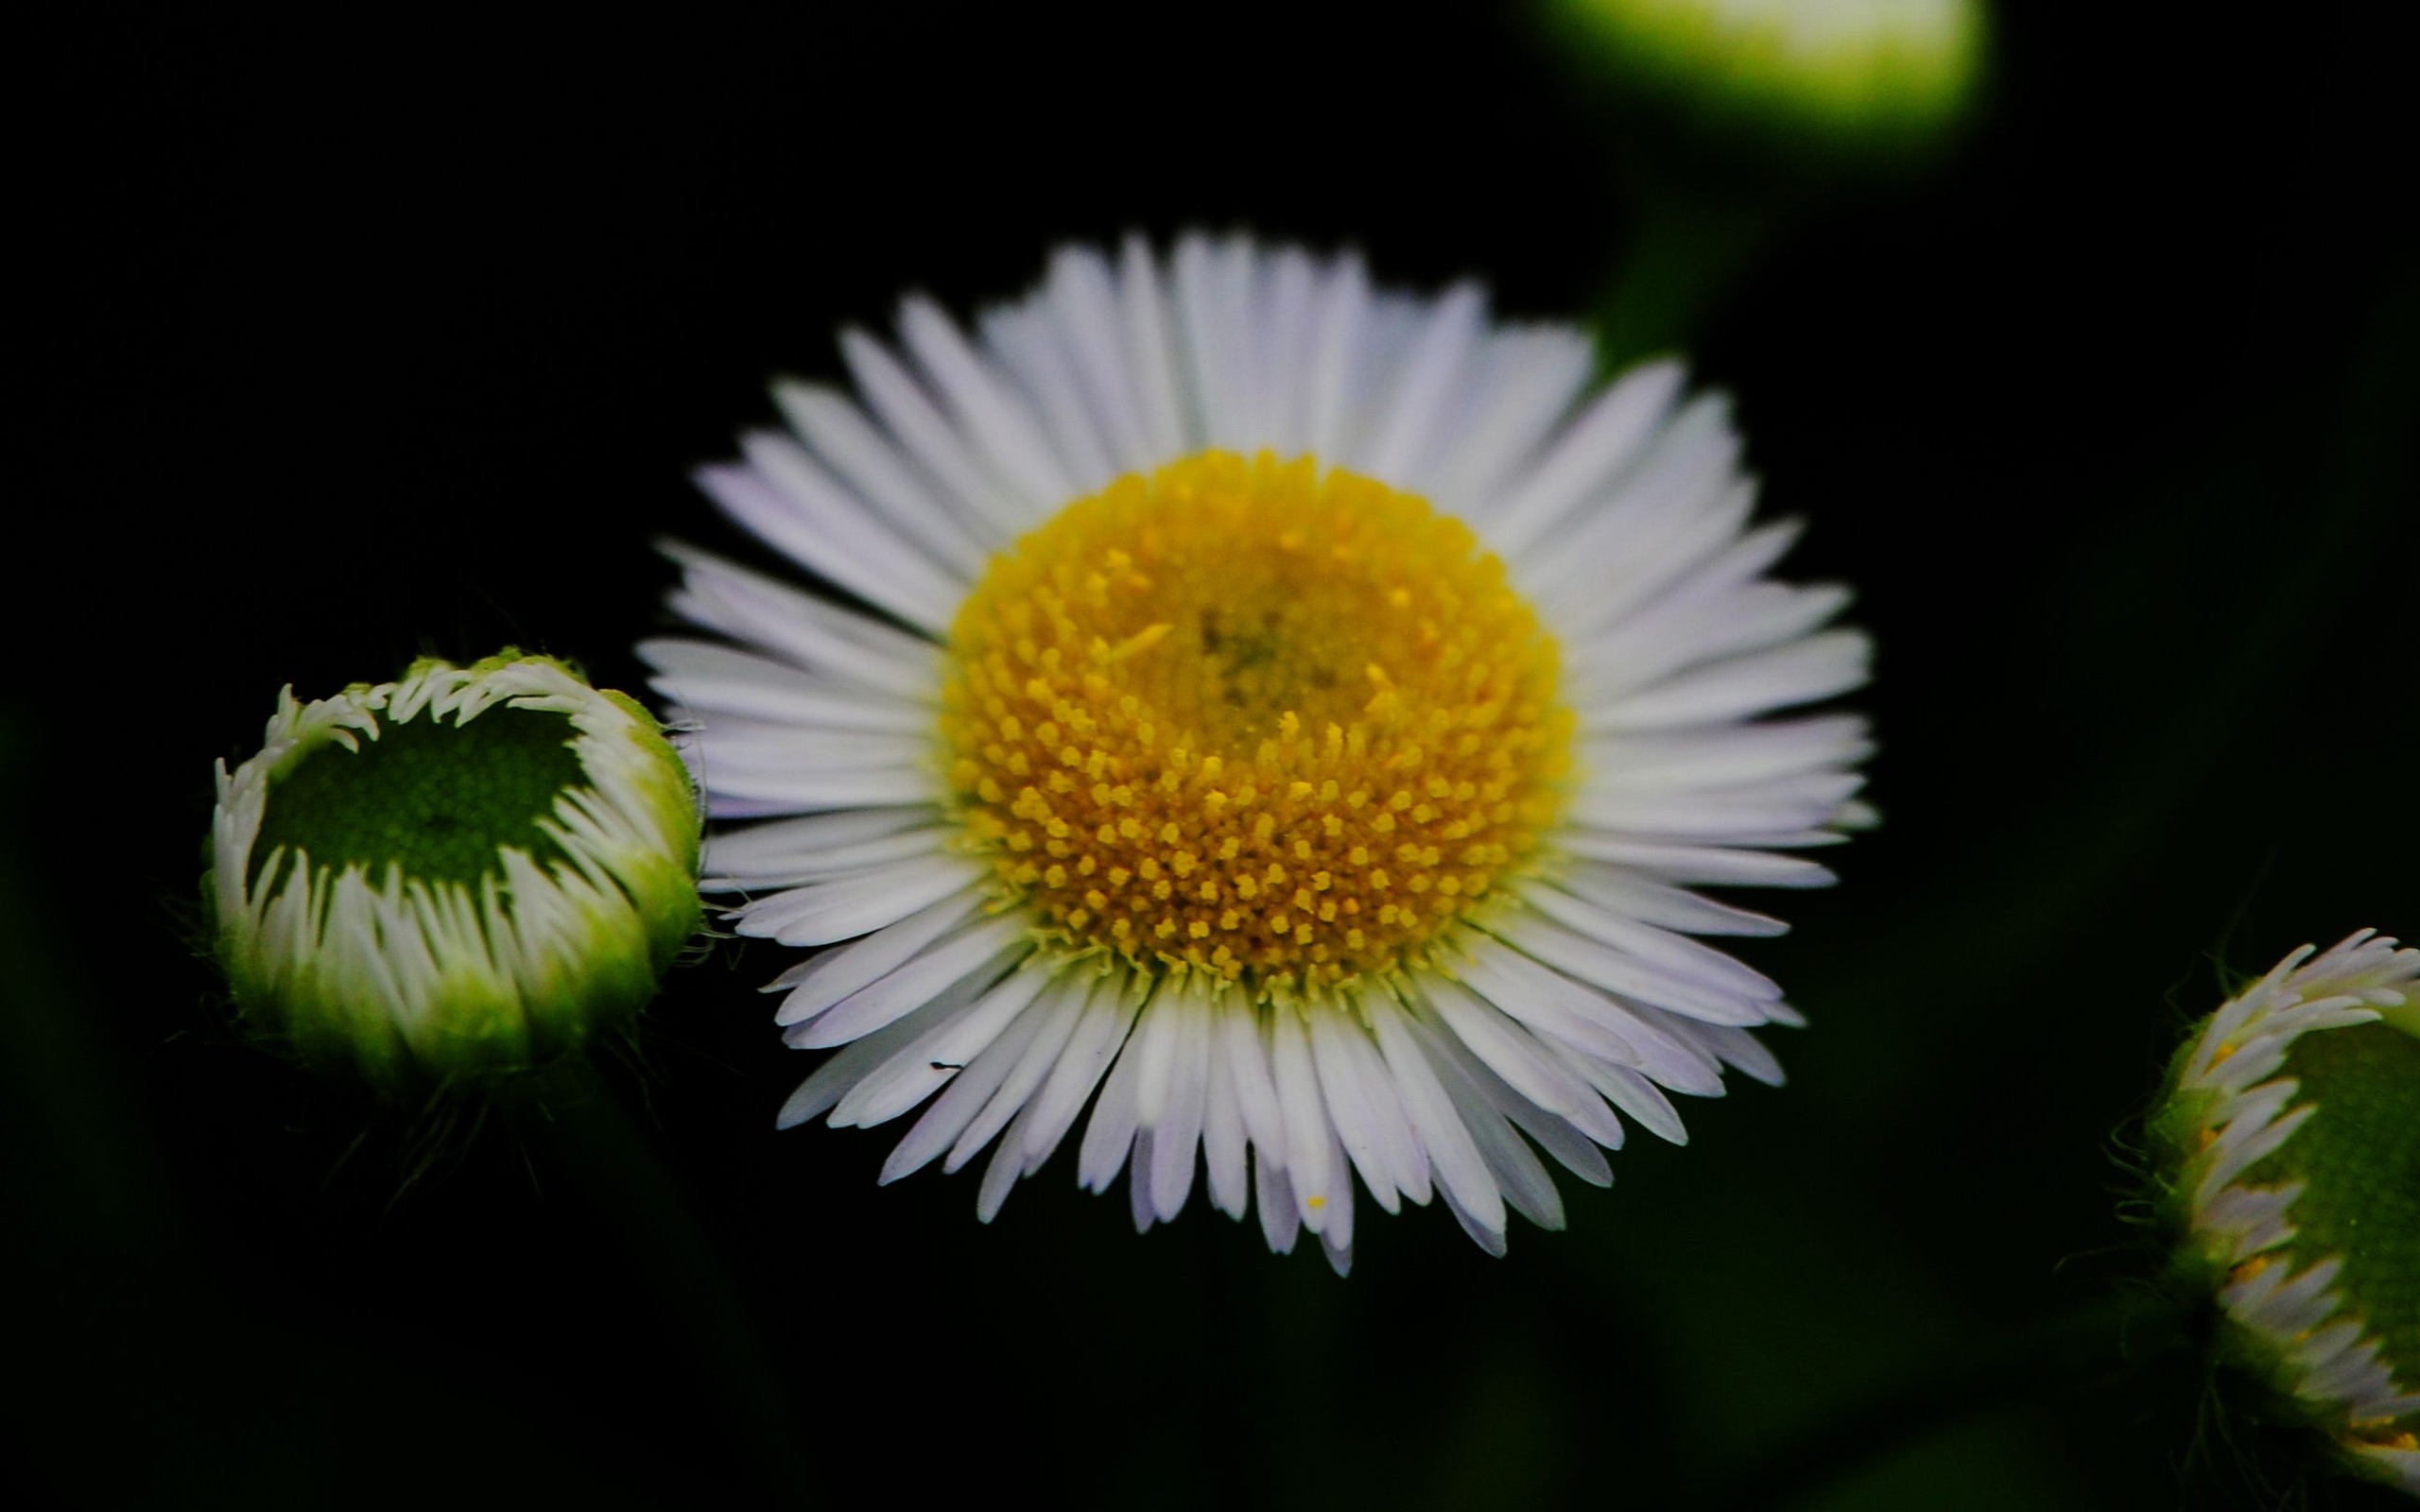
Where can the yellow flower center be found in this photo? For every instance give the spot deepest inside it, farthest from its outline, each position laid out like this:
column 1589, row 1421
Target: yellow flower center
column 1249, row 718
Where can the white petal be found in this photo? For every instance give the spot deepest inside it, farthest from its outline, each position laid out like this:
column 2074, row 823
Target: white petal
column 1577, row 1152
column 1802, row 672
column 1236, row 1026
column 1084, row 302
column 924, row 434
column 1207, row 317
column 1090, row 1048
column 987, row 411
column 1631, row 1093
column 1110, row 1133
column 1004, row 1169
column 811, row 523
column 1514, row 1167
column 929, row 1063
column 1490, row 1239
column 823, row 638
column 1623, row 976
column 821, row 913
column 833, row 1080
column 1139, row 1185
column 1222, row 1135
column 1280, row 1217
column 1150, row 356
column 1801, row 802
column 1514, row 1056
column 1339, row 327
column 844, row 437
column 1656, row 946
column 986, row 947
column 1640, row 897
column 1316, row 1183
column 1404, row 427
column 1025, row 342
column 2237, row 1156
column 1542, row 999
column 816, row 984
column 1398, row 1148
column 716, row 678
column 1178, row 1132
column 780, row 843
column 1671, row 473
column 1349, row 1102
column 1061, row 1008
column 1739, row 1049
column 1284, row 342
column 820, row 708
column 972, row 1091
column 1702, row 866
column 1625, row 1034
column 1676, row 633
column 1543, row 370
column 743, row 792
column 1460, row 1169
column 1336, row 1233
column 773, row 749
column 1724, row 757
column 1155, row 1055
column 1237, row 281
column 770, row 855
column 1669, row 522
column 1604, row 437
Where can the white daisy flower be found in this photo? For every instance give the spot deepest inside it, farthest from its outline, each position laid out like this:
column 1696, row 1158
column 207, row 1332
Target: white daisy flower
column 468, row 871
column 2287, row 1139
column 1293, row 710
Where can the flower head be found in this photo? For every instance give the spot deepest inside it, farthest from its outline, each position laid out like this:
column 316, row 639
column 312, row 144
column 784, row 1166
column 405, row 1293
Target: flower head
column 469, row 870
column 1845, row 70
column 2287, row 1138
column 1297, row 713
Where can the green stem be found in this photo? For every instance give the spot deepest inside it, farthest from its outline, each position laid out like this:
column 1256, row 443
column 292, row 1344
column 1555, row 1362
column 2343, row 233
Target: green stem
column 1687, row 252
column 617, row 1171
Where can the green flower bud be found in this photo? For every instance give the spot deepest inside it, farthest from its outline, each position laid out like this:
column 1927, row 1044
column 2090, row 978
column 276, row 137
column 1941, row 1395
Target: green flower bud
column 469, row 870
column 2287, row 1142
column 1849, row 71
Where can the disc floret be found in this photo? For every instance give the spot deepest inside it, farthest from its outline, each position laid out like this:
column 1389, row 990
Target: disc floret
column 1255, row 719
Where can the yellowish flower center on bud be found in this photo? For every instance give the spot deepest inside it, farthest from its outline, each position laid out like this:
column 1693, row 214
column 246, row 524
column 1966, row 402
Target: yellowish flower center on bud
column 1253, row 718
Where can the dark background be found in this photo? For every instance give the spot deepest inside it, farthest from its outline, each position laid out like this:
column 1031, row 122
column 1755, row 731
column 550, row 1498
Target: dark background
column 384, row 333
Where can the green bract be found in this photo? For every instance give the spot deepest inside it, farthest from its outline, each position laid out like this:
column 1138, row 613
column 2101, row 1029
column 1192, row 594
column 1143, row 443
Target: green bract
column 471, row 869
column 2287, row 1140
column 1846, row 70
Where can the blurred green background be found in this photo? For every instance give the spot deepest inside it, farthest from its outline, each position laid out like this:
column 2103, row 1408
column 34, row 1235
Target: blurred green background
column 379, row 334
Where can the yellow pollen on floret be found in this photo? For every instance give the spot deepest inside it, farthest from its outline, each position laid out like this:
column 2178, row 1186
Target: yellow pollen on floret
column 1201, row 716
